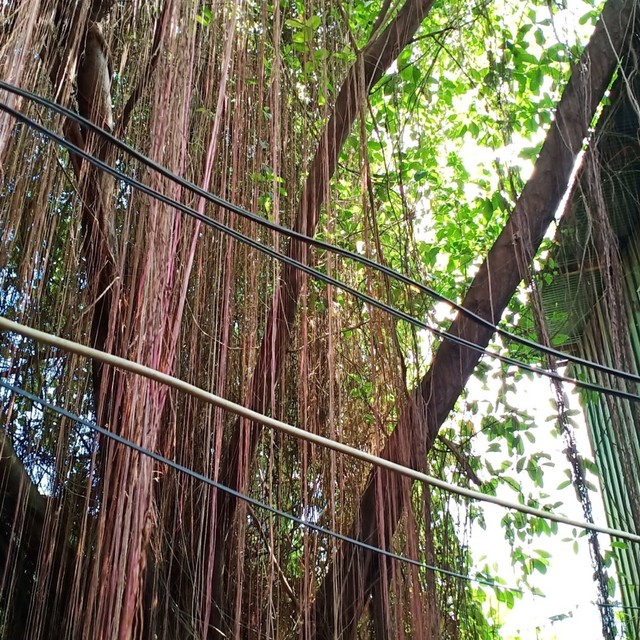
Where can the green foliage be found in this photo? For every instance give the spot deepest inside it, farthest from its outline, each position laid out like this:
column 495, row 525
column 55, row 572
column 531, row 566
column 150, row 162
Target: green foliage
column 449, row 137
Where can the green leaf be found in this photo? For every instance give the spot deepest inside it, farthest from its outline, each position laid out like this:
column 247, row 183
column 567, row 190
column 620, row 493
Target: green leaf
column 313, row 22
column 294, row 24
column 205, row 17
column 590, row 16
column 540, row 565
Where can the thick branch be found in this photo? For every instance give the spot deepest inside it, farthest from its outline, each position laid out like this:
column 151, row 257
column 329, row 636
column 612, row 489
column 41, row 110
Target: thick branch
column 354, row 573
column 376, row 57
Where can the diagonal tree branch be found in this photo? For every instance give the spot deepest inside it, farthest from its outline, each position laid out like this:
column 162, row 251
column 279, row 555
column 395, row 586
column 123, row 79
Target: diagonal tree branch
column 373, row 61
column 376, row 58
column 355, row 573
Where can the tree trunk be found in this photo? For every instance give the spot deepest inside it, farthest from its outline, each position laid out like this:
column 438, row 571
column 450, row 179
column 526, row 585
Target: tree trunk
column 355, row 572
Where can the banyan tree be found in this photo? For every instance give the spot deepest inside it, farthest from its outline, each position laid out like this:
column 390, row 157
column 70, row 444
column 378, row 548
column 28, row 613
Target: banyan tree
column 326, row 118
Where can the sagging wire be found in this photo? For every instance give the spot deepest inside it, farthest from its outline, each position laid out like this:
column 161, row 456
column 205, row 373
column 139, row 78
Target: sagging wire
column 320, row 244
column 248, row 499
column 274, row 510
column 318, row 275
column 617, row 605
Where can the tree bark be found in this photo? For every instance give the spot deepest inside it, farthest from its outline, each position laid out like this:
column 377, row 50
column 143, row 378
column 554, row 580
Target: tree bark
column 354, row 574
column 22, row 517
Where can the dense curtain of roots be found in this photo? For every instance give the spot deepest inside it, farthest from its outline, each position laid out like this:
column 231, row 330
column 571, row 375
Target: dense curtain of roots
column 98, row 541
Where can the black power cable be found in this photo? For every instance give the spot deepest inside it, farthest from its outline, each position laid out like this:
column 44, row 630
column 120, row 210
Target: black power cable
column 229, row 206
column 314, row 273
column 241, row 496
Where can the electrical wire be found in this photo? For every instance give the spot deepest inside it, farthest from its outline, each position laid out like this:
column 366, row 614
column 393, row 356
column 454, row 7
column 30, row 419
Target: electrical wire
column 617, row 605
column 252, row 501
column 273, row 510
column 314, row 273
column 273, row 226
column 254, row 416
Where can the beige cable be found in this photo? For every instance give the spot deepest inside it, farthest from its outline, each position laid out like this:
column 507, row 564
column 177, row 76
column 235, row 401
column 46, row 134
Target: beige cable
column 239, row 410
